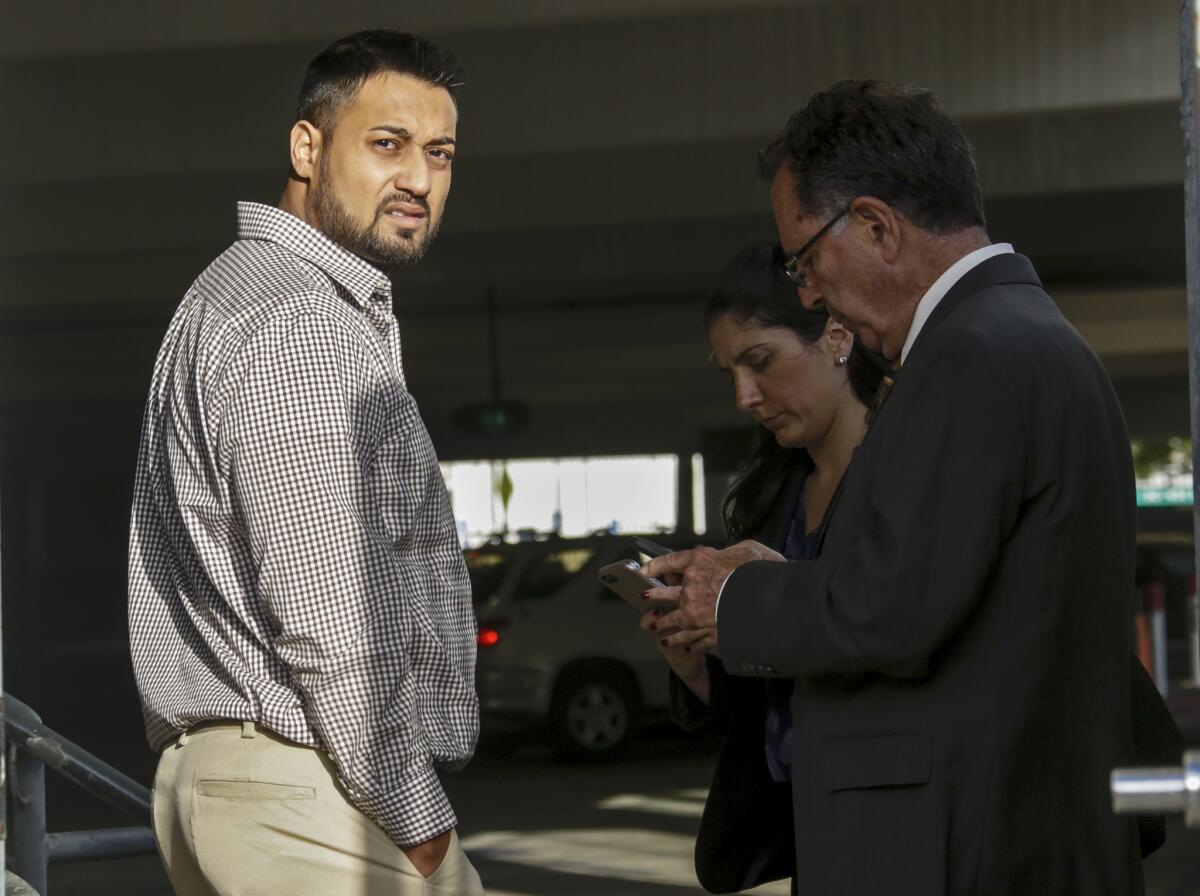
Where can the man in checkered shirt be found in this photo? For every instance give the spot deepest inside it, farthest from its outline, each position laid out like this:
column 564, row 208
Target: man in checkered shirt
column 299, row 611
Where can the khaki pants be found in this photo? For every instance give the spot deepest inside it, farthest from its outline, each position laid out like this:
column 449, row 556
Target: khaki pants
column 239, row 811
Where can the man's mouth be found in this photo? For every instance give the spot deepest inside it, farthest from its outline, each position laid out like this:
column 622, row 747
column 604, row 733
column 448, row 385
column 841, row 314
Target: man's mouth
column 405, row 215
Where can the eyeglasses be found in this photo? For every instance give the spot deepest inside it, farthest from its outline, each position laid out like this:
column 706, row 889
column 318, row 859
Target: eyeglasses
column 791, row 265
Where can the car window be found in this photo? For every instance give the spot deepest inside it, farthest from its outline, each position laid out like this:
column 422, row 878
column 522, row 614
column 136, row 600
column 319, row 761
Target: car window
column 487, row 570
column 550, row 572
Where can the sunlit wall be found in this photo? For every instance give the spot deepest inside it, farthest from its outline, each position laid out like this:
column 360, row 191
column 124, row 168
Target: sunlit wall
column 567, row 496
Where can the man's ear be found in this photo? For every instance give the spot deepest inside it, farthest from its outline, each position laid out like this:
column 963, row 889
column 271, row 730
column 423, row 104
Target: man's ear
column 881, row 226
column 305, row 149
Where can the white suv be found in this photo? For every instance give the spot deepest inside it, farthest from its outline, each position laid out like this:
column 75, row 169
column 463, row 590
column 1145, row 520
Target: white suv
column 557, row 648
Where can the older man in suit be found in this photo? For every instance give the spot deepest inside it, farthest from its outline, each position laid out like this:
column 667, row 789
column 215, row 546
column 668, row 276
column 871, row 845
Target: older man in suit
column 960, row 646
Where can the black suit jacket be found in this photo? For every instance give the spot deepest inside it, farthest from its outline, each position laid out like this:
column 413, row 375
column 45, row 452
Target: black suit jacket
column 961, row 644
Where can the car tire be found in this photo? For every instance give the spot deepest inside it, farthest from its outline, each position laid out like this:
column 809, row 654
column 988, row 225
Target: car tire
column 594, row 710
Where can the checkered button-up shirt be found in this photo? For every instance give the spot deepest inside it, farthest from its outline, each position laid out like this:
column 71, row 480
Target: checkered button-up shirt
column 293, row 559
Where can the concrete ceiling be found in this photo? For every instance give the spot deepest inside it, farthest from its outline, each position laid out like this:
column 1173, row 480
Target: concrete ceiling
column 123, row 26
column 605, row 174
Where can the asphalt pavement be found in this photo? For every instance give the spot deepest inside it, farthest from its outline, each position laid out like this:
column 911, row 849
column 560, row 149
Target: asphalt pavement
column 535, row 825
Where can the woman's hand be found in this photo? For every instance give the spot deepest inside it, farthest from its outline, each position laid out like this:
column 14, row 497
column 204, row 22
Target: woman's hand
column 685, row 660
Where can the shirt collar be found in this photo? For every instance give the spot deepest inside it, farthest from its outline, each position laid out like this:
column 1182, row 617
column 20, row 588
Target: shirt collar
column 943, row 284
column 364, row 281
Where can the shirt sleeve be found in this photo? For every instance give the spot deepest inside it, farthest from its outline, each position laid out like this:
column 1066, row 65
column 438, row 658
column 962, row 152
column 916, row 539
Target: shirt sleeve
column 717, row 605
column 311, row 408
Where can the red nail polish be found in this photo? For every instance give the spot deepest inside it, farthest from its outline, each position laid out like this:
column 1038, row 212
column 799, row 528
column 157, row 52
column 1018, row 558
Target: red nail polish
column 645, row 595
column 663, row 642
column 653, row 627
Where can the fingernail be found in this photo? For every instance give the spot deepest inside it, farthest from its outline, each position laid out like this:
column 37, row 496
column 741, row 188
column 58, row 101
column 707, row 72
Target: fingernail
column 663, row 642
column 645, row 595
column 687, row 648
column 653, row 627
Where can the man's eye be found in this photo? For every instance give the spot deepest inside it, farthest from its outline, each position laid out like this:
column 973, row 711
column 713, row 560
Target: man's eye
column 442, row 155
column 386, row 144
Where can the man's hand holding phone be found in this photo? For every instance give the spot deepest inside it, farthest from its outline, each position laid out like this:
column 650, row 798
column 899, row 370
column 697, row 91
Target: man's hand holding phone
column 701, row 572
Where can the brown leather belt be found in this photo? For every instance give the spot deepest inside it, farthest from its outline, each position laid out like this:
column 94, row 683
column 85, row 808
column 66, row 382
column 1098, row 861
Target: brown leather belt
column 249, row 729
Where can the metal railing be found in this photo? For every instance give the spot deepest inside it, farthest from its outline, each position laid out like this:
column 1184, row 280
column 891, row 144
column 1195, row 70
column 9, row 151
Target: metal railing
column 32, row 747
column 1157, row 791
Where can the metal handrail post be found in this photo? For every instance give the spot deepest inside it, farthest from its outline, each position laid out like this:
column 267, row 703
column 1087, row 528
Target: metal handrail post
column 4, row 770
column 1193, row 637
column 32, row 747
column 105, row 843
column 29, row 849
column 1189, row 75
column 26, row 730
column 1155, row 791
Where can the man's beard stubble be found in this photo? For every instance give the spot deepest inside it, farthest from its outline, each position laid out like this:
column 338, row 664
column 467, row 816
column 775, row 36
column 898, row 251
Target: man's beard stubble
column 337, row 224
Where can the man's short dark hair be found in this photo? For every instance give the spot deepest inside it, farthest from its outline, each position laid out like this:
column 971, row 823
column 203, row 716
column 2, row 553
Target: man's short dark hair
column 335, row 75
column 871, row 138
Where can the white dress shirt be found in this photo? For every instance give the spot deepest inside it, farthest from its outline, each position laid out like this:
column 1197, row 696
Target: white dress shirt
column 942, row 285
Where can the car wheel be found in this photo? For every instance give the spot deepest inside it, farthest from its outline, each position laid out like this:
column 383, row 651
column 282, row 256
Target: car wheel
column 593, row 713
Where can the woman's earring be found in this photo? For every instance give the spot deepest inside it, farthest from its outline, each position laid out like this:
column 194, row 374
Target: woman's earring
column 842, row 359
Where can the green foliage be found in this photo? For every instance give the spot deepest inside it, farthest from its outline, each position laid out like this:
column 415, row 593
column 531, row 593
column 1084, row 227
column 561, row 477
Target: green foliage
column 1172, row 456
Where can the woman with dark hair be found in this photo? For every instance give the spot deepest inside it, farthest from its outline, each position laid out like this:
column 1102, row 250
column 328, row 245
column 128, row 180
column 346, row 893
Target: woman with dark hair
column 801, row 376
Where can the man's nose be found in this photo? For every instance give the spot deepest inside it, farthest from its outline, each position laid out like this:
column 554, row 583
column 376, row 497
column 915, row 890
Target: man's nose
column 810, row 296
column 413, row 175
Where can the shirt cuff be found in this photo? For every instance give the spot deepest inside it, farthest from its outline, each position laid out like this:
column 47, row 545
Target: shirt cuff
column 720, row 591
column 414, row 810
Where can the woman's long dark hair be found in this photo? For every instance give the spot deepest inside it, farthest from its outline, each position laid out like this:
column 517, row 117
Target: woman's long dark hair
column 752, row 290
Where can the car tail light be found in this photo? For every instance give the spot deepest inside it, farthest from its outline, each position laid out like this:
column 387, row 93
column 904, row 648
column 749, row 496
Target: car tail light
column 489, row 635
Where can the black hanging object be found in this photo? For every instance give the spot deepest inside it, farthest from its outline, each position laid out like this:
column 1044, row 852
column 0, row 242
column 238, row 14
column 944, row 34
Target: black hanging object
column 498, row 416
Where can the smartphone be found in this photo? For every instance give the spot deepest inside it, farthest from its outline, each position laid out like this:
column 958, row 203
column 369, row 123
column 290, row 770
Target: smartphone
column 626, row 579
column 650, row 548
